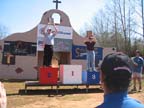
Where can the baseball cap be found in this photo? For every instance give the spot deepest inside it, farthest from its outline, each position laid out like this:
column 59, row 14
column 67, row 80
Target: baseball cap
column 49, row 28
column 137, row 51
column 116, row 65
column 117, row 72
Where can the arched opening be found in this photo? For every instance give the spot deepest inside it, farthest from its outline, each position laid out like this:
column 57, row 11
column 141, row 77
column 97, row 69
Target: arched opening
column 57, row 18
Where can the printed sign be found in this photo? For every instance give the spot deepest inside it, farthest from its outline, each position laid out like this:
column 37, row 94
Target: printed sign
column 98, row 53
column 8, row 59
column 63, row 33
column 62, row 45
column 80, row 52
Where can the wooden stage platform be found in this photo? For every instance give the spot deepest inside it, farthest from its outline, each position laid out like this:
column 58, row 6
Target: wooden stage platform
column 37, row 84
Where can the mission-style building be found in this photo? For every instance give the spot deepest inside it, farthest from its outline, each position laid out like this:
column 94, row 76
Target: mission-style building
column 21, row 59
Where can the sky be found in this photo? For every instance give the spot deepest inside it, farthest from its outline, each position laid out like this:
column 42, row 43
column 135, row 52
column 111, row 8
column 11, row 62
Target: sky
column 24, row 15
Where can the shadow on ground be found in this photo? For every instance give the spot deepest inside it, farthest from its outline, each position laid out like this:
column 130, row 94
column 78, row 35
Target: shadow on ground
column 60, row 91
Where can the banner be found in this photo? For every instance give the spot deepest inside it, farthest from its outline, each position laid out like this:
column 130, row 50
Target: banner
column 63, row 33
column 98, row 53
column 62, row 45
column 80, row 52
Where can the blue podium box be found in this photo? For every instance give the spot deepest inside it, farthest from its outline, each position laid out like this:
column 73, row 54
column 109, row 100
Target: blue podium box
column 90, row 77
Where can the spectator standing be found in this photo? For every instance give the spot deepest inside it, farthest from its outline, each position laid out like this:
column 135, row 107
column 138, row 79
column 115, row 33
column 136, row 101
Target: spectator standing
column 115, row 78
column 138, row 63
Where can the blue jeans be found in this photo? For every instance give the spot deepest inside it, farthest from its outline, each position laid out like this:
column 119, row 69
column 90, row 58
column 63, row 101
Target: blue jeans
column 91, row 60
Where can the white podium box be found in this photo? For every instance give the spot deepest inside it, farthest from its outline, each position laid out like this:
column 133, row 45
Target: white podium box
column 71, row 74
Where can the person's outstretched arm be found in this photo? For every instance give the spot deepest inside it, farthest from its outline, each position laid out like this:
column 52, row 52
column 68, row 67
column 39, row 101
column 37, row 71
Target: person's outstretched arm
column 55, row 31
column 43, row 30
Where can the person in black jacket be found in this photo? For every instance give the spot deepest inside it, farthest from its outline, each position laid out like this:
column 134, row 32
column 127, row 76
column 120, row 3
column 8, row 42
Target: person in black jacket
column 90, row 41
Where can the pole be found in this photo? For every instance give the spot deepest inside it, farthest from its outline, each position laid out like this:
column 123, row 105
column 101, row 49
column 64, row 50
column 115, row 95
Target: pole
column 142, row 22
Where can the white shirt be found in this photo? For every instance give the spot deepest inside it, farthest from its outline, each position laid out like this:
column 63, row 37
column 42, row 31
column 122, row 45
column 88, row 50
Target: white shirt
column 49, row 39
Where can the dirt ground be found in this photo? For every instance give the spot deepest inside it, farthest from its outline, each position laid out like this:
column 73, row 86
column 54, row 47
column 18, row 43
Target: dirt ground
column 40, row 98
column 72, row 101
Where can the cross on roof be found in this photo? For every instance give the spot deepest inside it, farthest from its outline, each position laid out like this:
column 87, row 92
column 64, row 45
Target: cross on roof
column 57, row 2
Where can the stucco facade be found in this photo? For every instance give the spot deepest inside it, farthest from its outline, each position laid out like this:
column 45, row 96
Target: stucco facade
column 29, row 65
column 26, row 67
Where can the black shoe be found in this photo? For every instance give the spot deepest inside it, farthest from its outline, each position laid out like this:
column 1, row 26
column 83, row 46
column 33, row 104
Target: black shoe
column 134, row 89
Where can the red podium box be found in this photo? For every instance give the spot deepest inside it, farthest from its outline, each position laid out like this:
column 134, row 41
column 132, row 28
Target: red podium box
column 48, row 75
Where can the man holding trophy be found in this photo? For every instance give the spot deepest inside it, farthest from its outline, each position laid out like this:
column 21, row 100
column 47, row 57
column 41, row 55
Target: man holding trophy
column 90, row 41
column 48, row 42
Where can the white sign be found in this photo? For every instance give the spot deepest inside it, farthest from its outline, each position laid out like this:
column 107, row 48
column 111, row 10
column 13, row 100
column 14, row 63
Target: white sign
column 63, row 33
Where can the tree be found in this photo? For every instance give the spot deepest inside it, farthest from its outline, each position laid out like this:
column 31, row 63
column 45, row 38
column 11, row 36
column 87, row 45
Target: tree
column 3, row 31
column 124, row 19
column 117, row 25
column 117, row 20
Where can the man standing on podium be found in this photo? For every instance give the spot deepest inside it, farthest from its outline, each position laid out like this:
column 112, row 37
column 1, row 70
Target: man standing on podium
column 49, row 35
column 90, row 41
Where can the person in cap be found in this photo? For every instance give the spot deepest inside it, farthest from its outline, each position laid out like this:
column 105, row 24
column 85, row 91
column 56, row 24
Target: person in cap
column 115, row 76
column 48, row 44
column 138, row 63
column 90, row 41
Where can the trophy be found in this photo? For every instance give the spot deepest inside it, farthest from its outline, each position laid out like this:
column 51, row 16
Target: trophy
column 50, row 20
column 89, row 33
